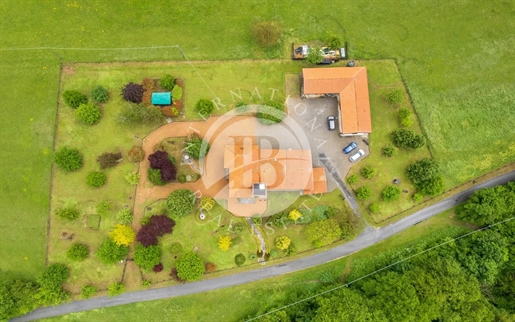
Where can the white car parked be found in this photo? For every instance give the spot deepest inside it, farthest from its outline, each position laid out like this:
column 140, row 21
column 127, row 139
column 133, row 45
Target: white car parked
column 357, row 155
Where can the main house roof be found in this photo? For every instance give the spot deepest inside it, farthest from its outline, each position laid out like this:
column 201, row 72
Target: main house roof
column 351, row 84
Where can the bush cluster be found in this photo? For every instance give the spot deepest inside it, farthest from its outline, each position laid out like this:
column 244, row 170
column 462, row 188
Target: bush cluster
column 314, row 56
column 190, row 267
column 160, row 160
column 391, row 193
column 111, row 253
column 352, row 179
column 88, row 291
column 180, row 202
column 78, row 252
column 50, row 284
column 68, row 213
column 115, row 289
column 389, row 150
column 271, row 113
column 282, row 242
column 239, row 259
column 133, row 92
column 154, row 176
column 407, row 139
column 109, row 160
column 132, row 178
column 158, row 226
column 138, row 113
column 125, row 216
column 68, row 159
column 96, row 179
column 99, row 94
column 426, row 177
column 395, row 96
column 334, row 43
column 197, row 148
column 364, row 193
column 74, row 98
column 88, row 114
column 368, row 172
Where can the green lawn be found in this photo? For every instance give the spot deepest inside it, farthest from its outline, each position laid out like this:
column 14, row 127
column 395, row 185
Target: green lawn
column 237, row 303
column 384, row 78
column 461, row 77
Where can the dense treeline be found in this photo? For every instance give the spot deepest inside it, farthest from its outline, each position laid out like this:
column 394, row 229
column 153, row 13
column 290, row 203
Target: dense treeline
column 465, row 279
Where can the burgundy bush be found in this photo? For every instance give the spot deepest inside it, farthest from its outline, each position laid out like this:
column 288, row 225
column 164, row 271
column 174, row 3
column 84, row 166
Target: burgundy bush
column 158, row 268
column 156, row 227
column 159, row 160
column 133, row 92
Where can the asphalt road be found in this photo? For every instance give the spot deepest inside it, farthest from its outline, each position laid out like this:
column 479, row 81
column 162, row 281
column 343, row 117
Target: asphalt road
column 368, row 237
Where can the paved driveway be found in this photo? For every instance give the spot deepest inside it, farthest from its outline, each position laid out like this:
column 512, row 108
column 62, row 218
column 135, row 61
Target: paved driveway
column 311, row 115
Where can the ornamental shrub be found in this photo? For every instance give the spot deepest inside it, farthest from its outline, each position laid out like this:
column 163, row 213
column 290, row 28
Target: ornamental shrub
column 160, row 160
column 157, row 226
column 239, row 259
column 391, row 193
column 403, row 112
column 133, row 92
column 364, row 193
column 136, row 154
column 109, row 160
column 182, row 178
column 88, row 114
column 111, row 253
column 257, row 220
column 417, row 197
column 239, row 228
column 78, row 252
column 180, row 202
column 122, row 235
column 197, row 148
column 389, row 150
column 407, row 139
column 352, row 179
column 282, row 242
column 104, row 208
column 96, row 179
column 368, row 172
column 74, row 98
column 125, row 216
column 273, row 253
column 241, row 107
column 210, row 267
column 224, row 242
column 207, row 203
column 190, row 267
column 158, row 268
column 167, row 82
column 407, row 121
column 68, row 159
column 115, row 289
column 291, row 250
column 204, row 106
column 154, row 176
column 394, row 97
column 132, row 178
column 271, row 113
column 374, row 208
column 176, row 92
column 88, row 291
column 99, row 94
column 68, row 213
column 426, row 176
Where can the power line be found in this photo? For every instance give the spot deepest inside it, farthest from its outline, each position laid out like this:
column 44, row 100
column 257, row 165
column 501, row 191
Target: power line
column 85, row 49
column 379, row 270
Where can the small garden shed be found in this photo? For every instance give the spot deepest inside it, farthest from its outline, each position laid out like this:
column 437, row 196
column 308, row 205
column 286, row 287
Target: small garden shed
column 162, row 98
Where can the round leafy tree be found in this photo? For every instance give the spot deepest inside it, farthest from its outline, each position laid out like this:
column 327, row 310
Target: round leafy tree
column 78, row 252
column 167, row 82
column 368, row 172
column 88, row 114
column 96, row 179
column 136, row 154
column 180, row 202
column 426, row 177
column 190, row 267
column 389, row 150
column 133, row 92
column 53, row 276
column 74, row 98
column 68, row 213
column 267, row 33
column 239, row 259
column 394, row 97
column 110, row 253
column 363, row 193
column 407, row 139
column 314, row 56
column 99, row 94
column 204, row 106
column 68, row 159
column 147, row 257
column 391, row 193
column 352, row 179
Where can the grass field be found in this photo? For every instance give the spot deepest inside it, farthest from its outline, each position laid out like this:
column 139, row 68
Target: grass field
column 237, row 303
column 383, row 78
column 461, row 77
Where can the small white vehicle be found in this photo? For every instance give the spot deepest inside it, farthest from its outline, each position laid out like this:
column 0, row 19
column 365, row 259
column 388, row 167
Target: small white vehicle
column 357, row 155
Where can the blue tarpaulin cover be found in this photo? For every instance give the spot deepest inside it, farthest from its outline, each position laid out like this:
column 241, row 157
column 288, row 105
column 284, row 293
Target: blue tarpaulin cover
column 162, row 98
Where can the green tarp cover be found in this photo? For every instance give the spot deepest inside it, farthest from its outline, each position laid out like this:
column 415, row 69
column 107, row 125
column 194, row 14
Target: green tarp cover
column 162, row 98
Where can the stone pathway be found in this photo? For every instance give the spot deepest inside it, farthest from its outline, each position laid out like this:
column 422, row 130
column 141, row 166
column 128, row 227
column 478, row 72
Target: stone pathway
column 262, row 243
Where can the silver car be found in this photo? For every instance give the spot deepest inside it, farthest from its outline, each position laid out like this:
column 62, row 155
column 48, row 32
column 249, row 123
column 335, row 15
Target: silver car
column 357, row 155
